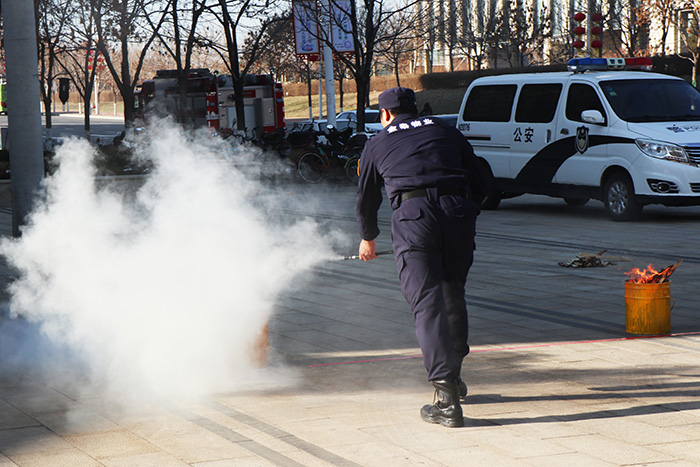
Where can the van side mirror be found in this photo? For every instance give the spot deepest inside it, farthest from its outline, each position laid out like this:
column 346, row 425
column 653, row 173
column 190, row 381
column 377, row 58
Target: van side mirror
column 593, row 116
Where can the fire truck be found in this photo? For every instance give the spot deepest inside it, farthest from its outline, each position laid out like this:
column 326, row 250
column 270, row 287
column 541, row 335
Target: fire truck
column 210, row 101
column 3, row 96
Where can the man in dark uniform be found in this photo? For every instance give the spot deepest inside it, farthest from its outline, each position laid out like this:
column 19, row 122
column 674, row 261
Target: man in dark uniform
column 434, row 182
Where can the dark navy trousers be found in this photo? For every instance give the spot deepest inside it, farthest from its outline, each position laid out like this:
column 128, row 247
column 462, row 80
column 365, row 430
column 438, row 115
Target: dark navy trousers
column 433, row 239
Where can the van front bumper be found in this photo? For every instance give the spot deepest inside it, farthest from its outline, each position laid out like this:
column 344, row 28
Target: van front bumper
column 670, row 200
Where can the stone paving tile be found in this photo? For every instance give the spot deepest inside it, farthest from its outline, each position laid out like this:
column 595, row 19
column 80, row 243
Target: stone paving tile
column 156, row 459
column 514, row 443
column 76, row 421
column 678, row 421
column 475, row 455
column 327, row 432
column 406, row 436
column 613, row 450
column 250, row 461
column 30, row 440
column 108, row 444
column 307, row 460
column 59, row 458
column 569, row 460
column 633, row 431
column 275, row 440
column 381, row 454
column 687, row 450
column 543, row 426
column 10, row 417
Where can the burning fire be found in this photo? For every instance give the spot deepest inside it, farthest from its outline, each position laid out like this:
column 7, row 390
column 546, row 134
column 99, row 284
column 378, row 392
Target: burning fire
column 651, row 275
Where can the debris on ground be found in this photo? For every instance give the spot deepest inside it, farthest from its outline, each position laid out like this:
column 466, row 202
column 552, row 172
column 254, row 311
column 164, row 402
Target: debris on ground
column 587, row 261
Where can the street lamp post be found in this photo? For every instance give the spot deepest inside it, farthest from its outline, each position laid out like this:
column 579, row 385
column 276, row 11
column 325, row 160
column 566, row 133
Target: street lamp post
column 24, row 109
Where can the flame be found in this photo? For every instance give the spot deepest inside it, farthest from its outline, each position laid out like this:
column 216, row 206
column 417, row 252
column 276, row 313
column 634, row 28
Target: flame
column 642, row 276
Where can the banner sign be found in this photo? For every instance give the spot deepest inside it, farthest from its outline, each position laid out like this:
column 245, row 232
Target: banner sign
column 341, row 29
column 305, row 29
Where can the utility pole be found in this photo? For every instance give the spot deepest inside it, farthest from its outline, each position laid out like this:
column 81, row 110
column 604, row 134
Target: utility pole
column 24, row 111
column 328, row 64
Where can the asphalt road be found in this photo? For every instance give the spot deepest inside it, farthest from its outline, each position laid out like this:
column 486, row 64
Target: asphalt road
column 71, row 124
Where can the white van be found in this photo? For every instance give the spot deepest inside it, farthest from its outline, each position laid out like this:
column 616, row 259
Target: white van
column 628, row 138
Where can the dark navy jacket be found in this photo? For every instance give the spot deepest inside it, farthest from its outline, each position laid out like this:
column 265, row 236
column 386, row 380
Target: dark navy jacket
column 413, row 153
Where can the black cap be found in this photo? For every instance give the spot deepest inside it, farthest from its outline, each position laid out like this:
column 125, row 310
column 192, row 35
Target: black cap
column 397, row 97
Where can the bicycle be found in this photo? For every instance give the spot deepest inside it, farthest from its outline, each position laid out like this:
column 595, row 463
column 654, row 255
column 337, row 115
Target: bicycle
column 342, row 150
column 352, row 169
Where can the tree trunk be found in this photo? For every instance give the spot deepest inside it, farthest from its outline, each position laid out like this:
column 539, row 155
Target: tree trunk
column 87, row 110
column 129, row 101
column 238, row 99
column 47, row 107
column 362, row 97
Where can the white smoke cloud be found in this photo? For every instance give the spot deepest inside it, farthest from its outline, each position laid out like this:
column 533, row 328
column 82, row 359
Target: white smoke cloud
column 161, row 290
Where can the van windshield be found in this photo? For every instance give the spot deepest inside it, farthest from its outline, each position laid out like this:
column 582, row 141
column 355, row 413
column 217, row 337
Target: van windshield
column 653, row 100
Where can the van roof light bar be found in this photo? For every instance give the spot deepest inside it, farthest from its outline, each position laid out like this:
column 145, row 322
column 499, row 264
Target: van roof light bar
column 579, row 65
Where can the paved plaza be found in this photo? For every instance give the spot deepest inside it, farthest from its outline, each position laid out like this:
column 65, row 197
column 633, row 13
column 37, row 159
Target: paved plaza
column 554, row 378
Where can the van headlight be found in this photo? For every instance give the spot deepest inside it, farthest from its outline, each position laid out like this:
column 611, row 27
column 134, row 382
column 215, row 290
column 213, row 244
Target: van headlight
column 670, row 152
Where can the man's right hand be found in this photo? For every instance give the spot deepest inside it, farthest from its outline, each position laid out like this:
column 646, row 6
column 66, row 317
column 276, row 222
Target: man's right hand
column 367, row 250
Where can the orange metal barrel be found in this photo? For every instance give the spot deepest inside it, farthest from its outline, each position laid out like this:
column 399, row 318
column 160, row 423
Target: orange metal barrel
column 260, row 349
column 648, row 308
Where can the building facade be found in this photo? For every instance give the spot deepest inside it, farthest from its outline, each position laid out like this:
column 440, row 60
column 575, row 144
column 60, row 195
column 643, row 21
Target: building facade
column 469, row 34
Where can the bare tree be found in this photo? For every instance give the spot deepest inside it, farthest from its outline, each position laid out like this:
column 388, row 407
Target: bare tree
column 426, row 34
column 689, row 31
column 496, row 36
column 233, row 17
column 661, row 13
column 178, row 37
column 340, row 72
column 475, row 31
column 402, row 40
column 278, row 55
column 123, row 32
column 561, row 47
column 78, row 55
column 52, row 18
column 366, row 21
column 624, row 28
column 528, row 31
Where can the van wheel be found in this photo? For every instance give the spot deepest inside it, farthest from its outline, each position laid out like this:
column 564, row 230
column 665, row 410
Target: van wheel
column 619, row 198
column 576, row 201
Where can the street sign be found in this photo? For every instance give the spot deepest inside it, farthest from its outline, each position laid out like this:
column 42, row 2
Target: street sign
column 305, row 29
column 341, row 28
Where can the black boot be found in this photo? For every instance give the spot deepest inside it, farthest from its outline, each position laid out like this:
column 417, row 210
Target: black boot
column 446, row 409
column 462, row 386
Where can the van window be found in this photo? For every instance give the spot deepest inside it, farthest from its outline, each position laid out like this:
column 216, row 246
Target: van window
column 582, row 97
column 538, row 103
column 490, row 103
column 653, row 100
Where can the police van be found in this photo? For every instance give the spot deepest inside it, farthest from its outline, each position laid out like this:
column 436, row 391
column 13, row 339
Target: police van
column 605, row 130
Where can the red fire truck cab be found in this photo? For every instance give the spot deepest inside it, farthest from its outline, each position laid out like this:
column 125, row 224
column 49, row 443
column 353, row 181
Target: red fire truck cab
column 210, row 101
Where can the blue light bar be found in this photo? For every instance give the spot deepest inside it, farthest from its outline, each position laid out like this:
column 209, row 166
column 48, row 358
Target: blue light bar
column 587, row 63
